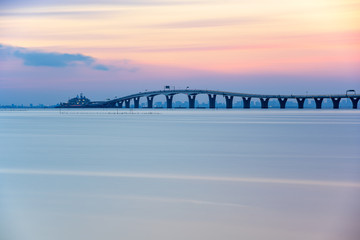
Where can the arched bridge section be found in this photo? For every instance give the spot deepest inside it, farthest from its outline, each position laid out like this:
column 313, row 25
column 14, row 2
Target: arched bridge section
column 229, row 96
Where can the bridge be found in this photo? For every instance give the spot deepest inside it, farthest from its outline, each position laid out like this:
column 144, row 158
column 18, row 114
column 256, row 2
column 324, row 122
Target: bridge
column 229, row 96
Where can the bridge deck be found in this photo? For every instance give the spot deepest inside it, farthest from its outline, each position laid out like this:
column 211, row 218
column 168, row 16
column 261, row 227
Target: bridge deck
column 225, row 93
column 264, row 98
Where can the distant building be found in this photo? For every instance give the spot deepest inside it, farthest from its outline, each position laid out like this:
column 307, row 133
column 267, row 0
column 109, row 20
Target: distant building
column 78, row 101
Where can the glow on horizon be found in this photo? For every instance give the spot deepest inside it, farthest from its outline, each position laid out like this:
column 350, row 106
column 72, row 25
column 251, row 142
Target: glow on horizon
column 235, row 36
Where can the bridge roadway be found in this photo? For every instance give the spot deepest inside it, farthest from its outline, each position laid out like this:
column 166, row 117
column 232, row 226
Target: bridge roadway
column 229, row 96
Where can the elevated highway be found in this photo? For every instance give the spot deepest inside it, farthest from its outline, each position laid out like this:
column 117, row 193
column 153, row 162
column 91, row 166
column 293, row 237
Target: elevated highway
column 229, row 96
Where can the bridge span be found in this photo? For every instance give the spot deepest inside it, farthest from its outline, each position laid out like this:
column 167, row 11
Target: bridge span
column 229, row 96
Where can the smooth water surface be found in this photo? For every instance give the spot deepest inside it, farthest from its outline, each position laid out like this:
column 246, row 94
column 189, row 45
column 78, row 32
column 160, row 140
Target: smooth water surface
column 179, row 174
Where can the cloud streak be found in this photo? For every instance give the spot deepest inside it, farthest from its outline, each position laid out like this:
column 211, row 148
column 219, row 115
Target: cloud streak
column 51, row 14
column 194, row 48
column 205, row 23
column 181, row 177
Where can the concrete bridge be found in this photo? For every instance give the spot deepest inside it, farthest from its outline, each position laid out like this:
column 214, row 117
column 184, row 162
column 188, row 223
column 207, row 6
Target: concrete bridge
column 229, row 96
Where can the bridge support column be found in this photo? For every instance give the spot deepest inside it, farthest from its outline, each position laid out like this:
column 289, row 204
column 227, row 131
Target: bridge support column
column 264, row 102
column 354, row 102
column 300, row 102
column 127, row 103
column 212, row 100
column 246, row 101
column 150, row 101
column 120, row 104
column 229, row 101
column 136, row 102
column 282, row 102
column 169, row 99
column 192, row 100
column 336, row 102
column 318, row 102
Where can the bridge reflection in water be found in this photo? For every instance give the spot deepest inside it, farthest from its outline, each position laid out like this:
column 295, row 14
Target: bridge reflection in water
column 229, row 97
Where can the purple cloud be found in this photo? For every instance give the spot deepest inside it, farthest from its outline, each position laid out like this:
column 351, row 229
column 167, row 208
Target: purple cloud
column 50, row 59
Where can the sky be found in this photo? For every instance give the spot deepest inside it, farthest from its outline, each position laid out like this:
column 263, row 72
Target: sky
column 52, row 50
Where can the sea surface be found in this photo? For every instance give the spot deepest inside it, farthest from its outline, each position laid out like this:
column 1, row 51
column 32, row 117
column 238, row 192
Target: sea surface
column 179, row 174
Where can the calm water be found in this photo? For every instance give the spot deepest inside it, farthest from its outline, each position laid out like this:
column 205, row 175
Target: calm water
column 179, row 174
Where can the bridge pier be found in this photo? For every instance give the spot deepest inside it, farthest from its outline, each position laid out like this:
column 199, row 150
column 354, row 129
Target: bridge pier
column 300, row 102
column 120, row 104
column 136, row 102
column 354, row 101
column 229, row 101
column 318, row 102
column 212, row 100
column 150, row 101
column 336, row 102
column 127, row 103
column 169, row 99
column 246, row 101
column 282, row 102
column 264, row 102
column 192, row 100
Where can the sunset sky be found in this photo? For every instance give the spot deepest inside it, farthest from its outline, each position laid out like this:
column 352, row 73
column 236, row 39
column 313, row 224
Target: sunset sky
column 52, row 50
